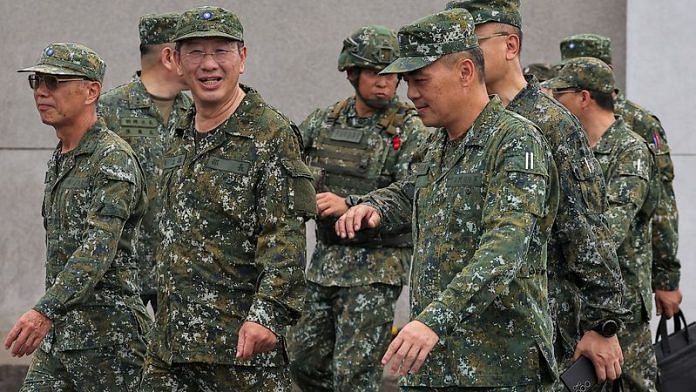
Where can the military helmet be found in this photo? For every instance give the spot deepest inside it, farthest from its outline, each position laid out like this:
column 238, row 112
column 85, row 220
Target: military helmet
column 372, row 47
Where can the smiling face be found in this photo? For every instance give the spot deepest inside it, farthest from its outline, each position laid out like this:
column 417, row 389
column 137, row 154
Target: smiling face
column 435, row 91
column 211, row 68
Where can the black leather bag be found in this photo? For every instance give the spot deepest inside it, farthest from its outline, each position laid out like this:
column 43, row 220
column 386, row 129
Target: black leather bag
column 676, row 355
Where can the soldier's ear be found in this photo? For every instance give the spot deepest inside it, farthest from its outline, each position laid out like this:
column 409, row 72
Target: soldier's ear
column 466, row 70
column 167, row 58
column 93, row 89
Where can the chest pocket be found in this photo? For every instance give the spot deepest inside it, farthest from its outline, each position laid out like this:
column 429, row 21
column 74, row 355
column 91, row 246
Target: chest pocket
column 465, row 193
column 586, row 172
column 74, row 196
column 230, row 182
column 138, row 127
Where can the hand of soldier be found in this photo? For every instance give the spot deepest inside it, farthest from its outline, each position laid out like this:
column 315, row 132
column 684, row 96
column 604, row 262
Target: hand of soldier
column 330, row 204
column 355, row 219
column 605, row 354
column 254, row 338
column 667, row 302
column 27, row 333
column 410, row 347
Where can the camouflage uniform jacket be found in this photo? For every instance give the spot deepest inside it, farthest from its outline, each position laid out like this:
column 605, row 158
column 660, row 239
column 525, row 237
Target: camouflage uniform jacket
column 665, row 224
column 94, row 200
column 235, row 202
column 482, row 215
column 585, row 283
column 129, row 111
column 633, row 190
column 388, row 157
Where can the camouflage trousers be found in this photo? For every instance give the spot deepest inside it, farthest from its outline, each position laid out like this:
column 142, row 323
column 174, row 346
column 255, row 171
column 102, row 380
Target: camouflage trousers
column 341, row 337
column 639, row 371
column 516, row 388
column 158, row 376
column 103, row 369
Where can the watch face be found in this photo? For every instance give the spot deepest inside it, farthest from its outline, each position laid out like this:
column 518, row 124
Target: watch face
column 610, row 328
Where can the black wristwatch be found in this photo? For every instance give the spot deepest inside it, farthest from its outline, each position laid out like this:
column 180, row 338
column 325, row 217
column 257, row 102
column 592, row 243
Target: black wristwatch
column 607, row 328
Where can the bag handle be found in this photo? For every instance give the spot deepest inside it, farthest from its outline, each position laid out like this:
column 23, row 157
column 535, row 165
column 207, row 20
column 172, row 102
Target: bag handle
column 663, row 337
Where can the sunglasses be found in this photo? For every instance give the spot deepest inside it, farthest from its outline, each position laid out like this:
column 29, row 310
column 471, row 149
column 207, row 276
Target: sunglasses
column 51, row 81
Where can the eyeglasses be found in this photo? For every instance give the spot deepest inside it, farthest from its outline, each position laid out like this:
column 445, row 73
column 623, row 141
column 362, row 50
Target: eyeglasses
column 195, row 57
column 51, row 81
column 559, row 92
column 498, row 34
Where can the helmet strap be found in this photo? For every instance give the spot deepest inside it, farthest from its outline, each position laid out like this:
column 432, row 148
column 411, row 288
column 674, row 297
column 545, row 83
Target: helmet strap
column 354, row 79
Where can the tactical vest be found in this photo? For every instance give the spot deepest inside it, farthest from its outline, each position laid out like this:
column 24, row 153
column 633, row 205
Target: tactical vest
column 356, row 161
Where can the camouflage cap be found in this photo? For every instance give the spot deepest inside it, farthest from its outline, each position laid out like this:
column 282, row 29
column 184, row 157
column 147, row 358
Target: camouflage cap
column 424, row 41
column 586, row 45
column 483, row 11
column 157, row 29
column 541, row 71
column 209, row 22
column 70, row 59
column 372, row 47
column 585, row 73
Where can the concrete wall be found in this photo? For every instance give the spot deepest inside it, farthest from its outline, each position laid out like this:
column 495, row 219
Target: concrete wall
column 659, row 76
column 292, row 59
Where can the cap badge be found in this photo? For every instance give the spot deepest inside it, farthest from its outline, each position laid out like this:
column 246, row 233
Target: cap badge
column 49, row 52
column 571, row 45
column 207, row 15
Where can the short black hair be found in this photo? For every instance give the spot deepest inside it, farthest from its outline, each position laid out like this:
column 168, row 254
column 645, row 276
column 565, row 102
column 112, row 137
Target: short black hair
column 475, row 55
column 604, row 100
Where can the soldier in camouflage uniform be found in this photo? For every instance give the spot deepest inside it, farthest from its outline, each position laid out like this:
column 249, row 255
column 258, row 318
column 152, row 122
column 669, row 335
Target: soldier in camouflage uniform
column 91, row 321
column 142, row 112
column 483, row 202
column 585, row 285
column 236, row 197
column 585, row 86
column 666, row 266
column 541, row 71
column 362, row 143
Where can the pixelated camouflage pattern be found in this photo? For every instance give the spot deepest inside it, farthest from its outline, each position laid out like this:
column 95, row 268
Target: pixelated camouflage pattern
column 515, row 388
column 94, row 200
column 158, row 376
column 344, row 331
column 155, row 29
column 586, row 45
column 633, row 192
column 483, row 11
column 376, row 164
column 482, row 214
column 129, row 111
column 585, row 73
column 585, row 284
column 541, row 71
column 639, row 370
column 209, row 22
column 106, row 369
column 666, row 265
column 429, row 38
column 233, row 235
column 70, row 59
column 372, row 47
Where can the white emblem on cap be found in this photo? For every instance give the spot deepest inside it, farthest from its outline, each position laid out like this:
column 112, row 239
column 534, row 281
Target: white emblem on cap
column 571, row 45
column 207, row 15
column 49, row 52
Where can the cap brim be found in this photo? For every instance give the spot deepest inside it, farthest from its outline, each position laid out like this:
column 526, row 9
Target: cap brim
column 557, row 83
column 52, row 70
column 207, row 34
column 408, row 64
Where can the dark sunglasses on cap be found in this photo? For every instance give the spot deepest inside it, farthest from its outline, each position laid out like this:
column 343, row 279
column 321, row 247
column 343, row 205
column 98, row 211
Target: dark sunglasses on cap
column 51, row 81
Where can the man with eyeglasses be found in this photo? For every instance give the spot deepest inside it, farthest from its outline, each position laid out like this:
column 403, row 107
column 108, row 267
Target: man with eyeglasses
column 359, row 144
column 666, row 265
column 236, row 197
column 585, row 86
column 90, row 323
column 585, row 285
column 142, row 112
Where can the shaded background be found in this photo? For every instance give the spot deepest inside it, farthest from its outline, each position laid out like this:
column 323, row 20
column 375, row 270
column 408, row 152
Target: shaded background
column 292, row 62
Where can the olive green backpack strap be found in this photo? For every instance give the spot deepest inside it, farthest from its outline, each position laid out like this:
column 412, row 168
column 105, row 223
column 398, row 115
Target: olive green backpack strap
column 336, row 111
column 395, row 118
